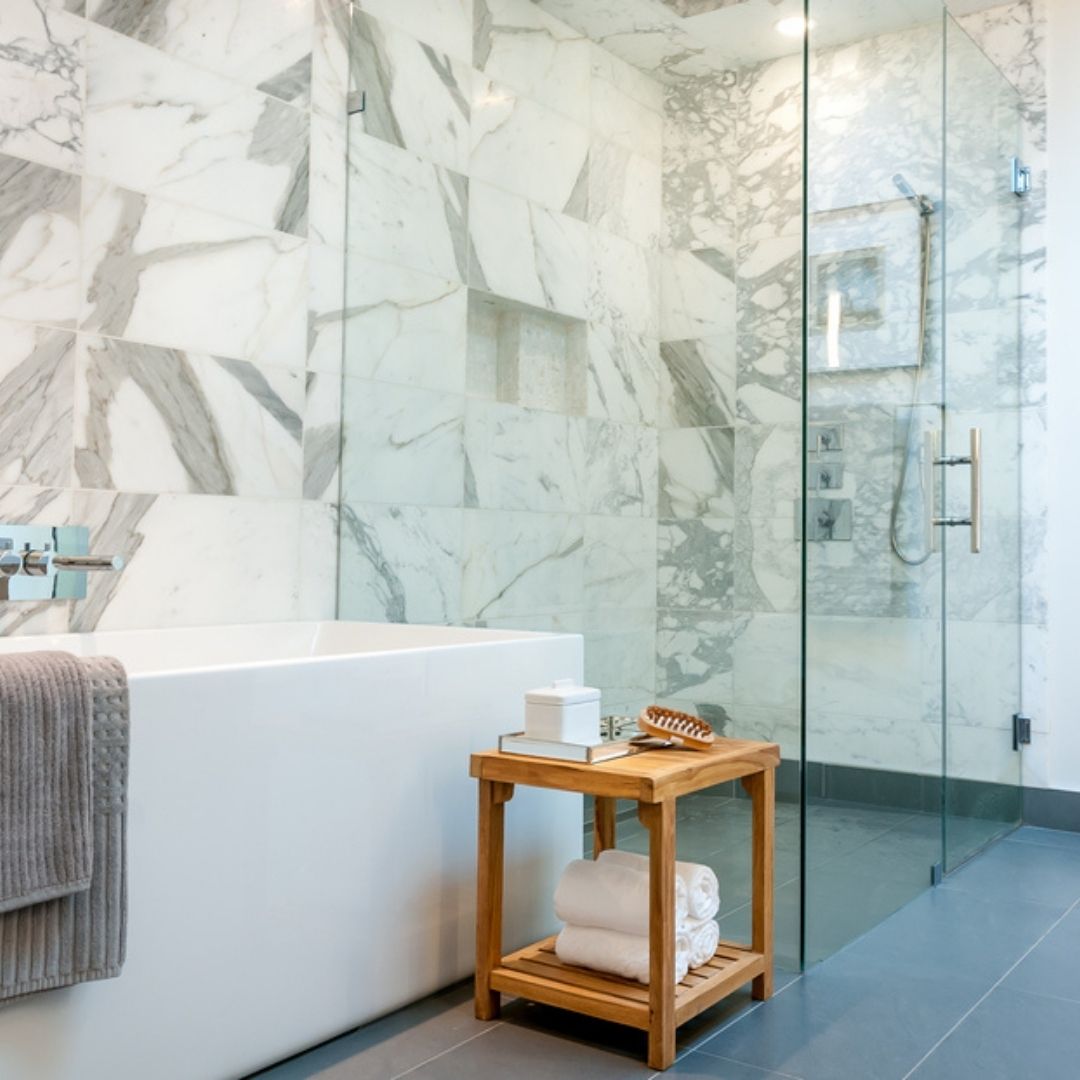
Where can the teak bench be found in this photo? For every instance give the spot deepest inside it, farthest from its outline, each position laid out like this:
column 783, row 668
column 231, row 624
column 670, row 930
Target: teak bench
column 654, row 779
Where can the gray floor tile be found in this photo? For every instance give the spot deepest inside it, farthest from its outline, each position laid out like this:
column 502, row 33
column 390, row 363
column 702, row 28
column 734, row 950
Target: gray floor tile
column 392, row 1045
column 1010, row 1036
column 1053, row 966
column 943, row 932
column 1030, row 834
column 702, row 1066
column 1013, row 870
column 556, row 1046
column 857, row 1025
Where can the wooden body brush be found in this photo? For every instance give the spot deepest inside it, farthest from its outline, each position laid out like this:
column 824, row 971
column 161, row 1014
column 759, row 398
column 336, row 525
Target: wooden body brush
column 680, row 728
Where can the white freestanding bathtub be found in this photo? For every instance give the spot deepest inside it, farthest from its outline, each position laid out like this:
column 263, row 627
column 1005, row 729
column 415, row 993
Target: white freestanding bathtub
column 301, row 840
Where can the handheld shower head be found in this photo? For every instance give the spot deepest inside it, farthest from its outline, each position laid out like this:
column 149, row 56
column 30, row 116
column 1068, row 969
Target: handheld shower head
column 922, row 204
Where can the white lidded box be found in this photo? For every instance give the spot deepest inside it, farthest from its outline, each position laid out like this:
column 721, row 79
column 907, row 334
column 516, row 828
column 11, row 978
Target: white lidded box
column 563, row 712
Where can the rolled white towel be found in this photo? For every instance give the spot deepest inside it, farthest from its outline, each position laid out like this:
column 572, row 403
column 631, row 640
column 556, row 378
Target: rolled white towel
column 625, row 955
column 700, row 882
column 704, row 936
column 609, row 896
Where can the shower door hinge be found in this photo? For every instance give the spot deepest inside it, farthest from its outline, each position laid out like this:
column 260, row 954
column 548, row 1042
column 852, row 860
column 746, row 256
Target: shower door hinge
column 937, row 873
column 1021, row 177
column 1021, row 730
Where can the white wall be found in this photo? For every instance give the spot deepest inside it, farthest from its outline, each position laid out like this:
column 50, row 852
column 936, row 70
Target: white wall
column 1054, row 760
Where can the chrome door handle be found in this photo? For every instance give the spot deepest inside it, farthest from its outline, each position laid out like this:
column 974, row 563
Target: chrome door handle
column 976, row 490
column 974, row 520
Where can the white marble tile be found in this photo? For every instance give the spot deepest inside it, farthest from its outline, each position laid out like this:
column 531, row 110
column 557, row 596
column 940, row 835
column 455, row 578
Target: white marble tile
column 37, row 383
column 517, row 43
column 322, row 435
column 522, row 459
column 402, row 445
column 328, row 182
column 39, row 243
column 625, row 193
column 627, row 106
column 526, row 253
column 521, row 564
column 169, row 275
column 158, row 420
column 621, row 468
column 697, row 472
column 403, row 326
column 405, row 210
column 447, row 25
column 30, row 505
column 765, row 657
column 326, row 308
column 401, row 564
column 624, row 375
column 528, row 149
column 244, row 582
column 42, row 82
column 620, row 563
column 620, row 649
column 261, row 43
column 697, row 295
column 330, row 68
column 768, row 566
column 164, row 127
column 624, row 288
column 319, row 557
column 415, row 97
column 768, row 469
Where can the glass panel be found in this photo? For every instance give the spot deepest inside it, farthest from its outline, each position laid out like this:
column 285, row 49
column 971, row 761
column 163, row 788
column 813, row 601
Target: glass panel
column 982, row 392
column 572, row 391
column 873, row 396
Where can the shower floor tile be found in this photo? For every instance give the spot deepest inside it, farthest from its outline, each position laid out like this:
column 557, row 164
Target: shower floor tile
column 972, row 981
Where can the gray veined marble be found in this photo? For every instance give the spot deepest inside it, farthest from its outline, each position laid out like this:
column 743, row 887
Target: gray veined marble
column 625, row 193
column 698, row 383
column 401, row 563
column 41, row 83
column 162, row 126
column 694, row 656
column 263, row 44
column 39, row 243
column 623, row 375
column 37, row 381
column 696, row 565
column 416, row 97
column 620, row 563
column 322, row 435
column 621, row 468
column 151, row 419
column 154, row 271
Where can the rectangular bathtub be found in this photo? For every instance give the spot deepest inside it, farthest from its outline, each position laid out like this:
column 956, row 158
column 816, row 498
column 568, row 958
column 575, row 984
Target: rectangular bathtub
column 301, row 840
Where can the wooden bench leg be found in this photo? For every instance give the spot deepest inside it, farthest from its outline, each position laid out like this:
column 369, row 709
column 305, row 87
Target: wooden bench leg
column 494, row 796
column 762, row 790
column 659, row 819
column 603, row 824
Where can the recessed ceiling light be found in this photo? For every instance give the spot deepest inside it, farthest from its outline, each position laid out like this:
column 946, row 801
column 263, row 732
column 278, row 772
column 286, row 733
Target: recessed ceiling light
column 795, row 26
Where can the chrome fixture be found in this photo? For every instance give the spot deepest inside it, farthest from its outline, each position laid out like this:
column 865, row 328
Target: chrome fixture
column 924, row 206
column 972, row 458
column 41, row 562
column 1021, row 177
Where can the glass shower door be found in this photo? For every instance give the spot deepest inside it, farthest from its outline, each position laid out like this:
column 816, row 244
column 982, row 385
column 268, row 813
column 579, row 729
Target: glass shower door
column 982, row 356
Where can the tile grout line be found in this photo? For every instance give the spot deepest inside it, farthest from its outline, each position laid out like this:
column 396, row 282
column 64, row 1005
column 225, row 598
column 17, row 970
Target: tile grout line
column 1027, row 952
column 448, row 1050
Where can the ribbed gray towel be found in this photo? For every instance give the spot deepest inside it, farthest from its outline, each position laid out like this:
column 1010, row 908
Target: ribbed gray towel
column 46, row 841
column 82, row 937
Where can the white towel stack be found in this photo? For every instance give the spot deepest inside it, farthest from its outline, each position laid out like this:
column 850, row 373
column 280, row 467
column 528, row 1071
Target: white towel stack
column 605, row 905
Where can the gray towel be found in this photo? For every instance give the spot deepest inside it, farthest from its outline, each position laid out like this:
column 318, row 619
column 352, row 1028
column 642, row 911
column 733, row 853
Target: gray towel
column 46, row 843
column 82, row 937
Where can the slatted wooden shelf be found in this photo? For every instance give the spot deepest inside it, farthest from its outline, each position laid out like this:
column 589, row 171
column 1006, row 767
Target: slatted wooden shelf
column 535, row 972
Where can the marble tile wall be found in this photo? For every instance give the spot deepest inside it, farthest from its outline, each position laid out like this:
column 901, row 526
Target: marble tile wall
column 170, row 301
column 502, row 331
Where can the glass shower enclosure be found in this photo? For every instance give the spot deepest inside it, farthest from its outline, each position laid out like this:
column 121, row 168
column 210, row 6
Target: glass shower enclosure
column 660, row 323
